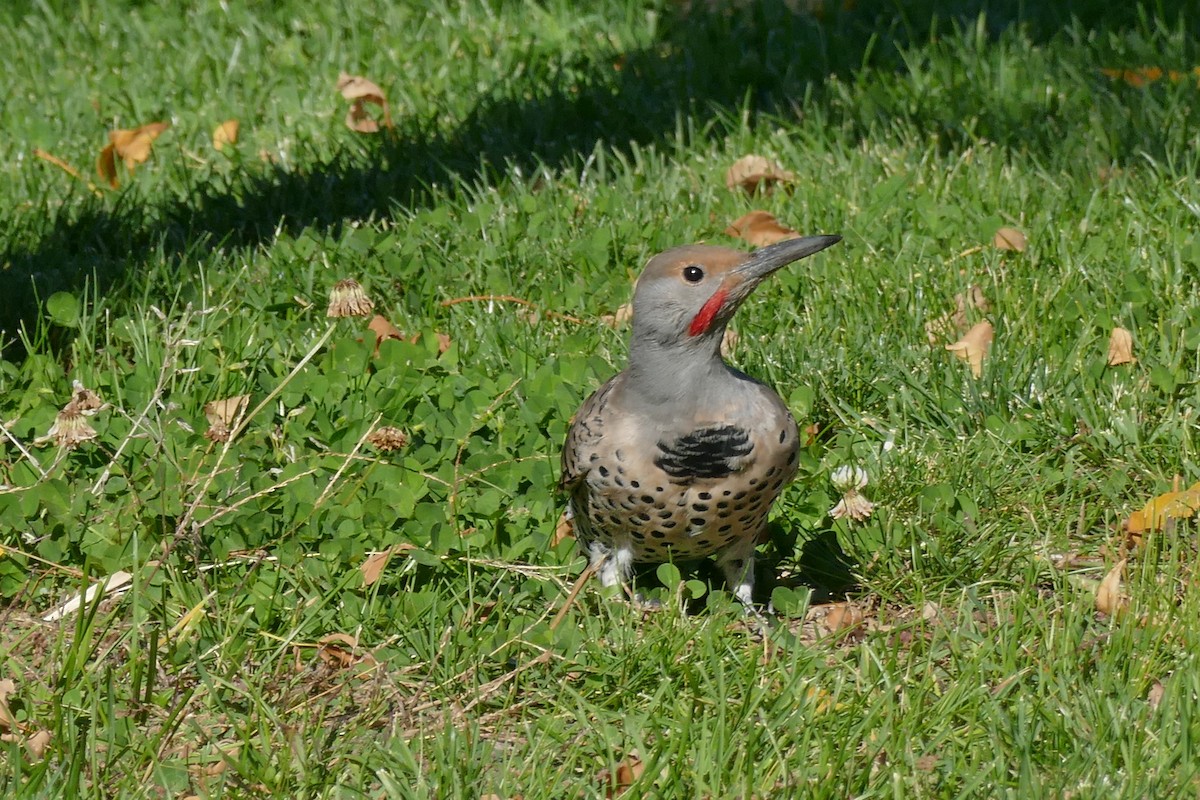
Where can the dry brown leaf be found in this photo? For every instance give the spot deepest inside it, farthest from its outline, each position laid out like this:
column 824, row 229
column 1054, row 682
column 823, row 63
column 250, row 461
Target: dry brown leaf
column 754, row 172
column 384, row 329
column 1141, row 76
column 1159, row 510
column 1120, row 348
column 360, row 91
column 565, row 529
column 973, row 346
column 106, row 166
column 927, row 763
column 619, row 317
column 334, row 656
column 443, row 340
column 844, row 616
column 222, row 415
column 809, row 434
column 227, row 410
column 338, row 651
column 760, row 229
column 225, row 133
column 37, row 744
column 1155, row 695
column 50, row 158
column 1010, row 239
column 1110, row 599
column 216, row 762
column 729, row 342
column 133, row 146
column 954, row 323
column 372, row 567
column 356, row 87
column 617, row 781
column 7, row 720
column 821, row 700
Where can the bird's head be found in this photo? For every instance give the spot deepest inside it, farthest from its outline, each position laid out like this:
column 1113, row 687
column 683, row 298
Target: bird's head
column 689, row 293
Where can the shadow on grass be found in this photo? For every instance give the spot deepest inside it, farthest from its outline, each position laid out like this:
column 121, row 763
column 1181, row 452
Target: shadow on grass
column 713, row 58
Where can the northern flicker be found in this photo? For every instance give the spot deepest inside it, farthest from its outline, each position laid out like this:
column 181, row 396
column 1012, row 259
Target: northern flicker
column 680, row 456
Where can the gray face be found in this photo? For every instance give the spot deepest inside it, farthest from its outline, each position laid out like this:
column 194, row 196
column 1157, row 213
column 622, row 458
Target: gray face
column 675, row 286
column 690, row 292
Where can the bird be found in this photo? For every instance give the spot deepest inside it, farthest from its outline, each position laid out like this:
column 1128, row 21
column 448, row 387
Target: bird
column 680, row 456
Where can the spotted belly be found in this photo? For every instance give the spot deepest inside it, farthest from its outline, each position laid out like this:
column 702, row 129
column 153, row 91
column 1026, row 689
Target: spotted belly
column 661, row 519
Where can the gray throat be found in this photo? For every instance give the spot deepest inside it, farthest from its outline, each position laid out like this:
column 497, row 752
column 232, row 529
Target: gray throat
column 675, row 380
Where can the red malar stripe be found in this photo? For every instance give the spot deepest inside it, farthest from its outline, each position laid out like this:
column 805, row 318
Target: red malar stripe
column 703, row 320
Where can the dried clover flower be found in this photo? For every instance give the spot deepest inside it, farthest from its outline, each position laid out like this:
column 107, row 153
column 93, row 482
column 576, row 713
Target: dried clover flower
column 347, row 299
column 83, row 399
column 388, row 438
column 70, row 429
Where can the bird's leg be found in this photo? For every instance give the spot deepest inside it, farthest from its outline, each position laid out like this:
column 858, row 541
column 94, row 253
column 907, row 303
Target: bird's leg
column 737, row 563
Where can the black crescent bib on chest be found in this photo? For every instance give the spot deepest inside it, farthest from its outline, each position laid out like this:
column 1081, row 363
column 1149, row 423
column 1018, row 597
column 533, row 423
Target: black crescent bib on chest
column 712, row 452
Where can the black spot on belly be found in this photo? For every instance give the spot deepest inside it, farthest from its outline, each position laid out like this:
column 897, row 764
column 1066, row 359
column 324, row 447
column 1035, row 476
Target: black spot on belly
column 603, row 470
column 700, row 507
column 705, row 495
column 783, row 436
column 658, row 534
column 698, row 521
column 647, row 498
column 704, row 453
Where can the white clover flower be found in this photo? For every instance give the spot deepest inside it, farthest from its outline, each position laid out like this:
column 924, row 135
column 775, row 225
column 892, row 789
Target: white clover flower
column 849, row 480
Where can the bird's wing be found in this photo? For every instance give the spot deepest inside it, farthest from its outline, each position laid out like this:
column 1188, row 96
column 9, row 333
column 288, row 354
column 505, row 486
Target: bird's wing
column 587, row 429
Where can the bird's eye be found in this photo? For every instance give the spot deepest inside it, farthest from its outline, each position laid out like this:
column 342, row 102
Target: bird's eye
column 693, row 274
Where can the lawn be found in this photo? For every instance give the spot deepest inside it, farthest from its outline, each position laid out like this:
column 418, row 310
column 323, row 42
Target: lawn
column 274, row 598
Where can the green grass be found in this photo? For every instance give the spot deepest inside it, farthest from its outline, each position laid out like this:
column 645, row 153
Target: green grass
column 546, row 152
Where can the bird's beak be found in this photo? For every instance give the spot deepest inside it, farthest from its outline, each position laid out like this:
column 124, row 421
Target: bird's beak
column 765, row 260
column 740, row 281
